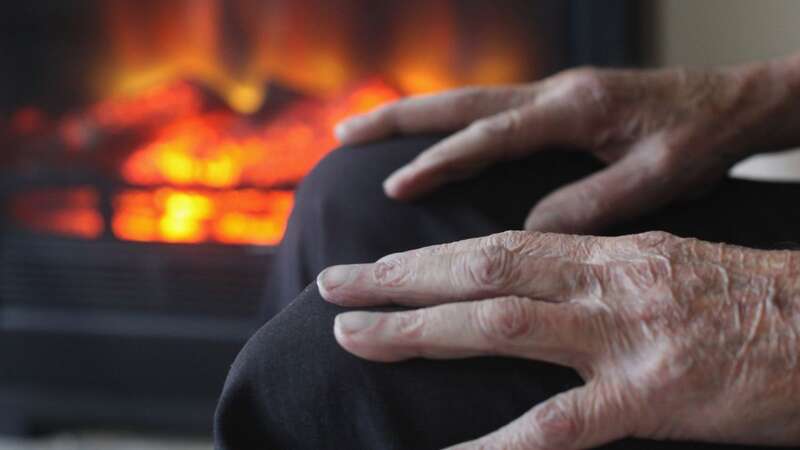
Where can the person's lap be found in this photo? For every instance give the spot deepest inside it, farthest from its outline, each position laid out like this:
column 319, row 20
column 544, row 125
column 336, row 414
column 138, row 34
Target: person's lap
column 293, row 387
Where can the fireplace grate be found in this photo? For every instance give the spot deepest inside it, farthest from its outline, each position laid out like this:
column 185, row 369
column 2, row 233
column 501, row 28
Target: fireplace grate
column 51, row 272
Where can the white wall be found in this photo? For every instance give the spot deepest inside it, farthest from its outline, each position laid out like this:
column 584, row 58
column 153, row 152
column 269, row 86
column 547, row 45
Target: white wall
column 712, row 32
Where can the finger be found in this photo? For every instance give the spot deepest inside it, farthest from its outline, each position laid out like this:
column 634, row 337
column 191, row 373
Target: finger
column 470, row 275
column 625, row 190
column 510, row 326
column 429, row 113
column 582, row 418
column 507, row 135
column 578, row 248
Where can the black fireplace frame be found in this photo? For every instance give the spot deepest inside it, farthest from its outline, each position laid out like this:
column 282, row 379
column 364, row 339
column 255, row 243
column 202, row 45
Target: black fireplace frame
column 164, row 370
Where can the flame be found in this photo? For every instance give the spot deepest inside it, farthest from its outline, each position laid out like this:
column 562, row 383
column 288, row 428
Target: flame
column 244, row 216
column 317, row 47
column 190, row 78
column 218, row 150
column 427, row 52
column 150, row 106
column 194, row 168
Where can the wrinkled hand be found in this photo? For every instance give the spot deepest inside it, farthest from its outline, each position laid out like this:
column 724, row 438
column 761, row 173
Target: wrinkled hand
column 666, row 134
column 676, row 338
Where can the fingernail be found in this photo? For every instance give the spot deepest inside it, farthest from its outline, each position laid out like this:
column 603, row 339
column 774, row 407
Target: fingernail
column 335, row 276
column 354, row 322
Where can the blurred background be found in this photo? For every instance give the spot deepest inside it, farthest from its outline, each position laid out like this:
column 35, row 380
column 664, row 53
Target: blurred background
column 149, row 152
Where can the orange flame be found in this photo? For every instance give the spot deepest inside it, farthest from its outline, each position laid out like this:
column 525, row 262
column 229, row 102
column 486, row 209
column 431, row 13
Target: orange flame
column 206, row 173
column 247, row 216
column 217, row 150
column 317, row 47
column 147, row 107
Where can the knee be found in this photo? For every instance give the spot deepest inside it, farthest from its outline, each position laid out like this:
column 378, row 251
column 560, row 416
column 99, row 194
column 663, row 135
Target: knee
column 284, row 379
column 293, row 386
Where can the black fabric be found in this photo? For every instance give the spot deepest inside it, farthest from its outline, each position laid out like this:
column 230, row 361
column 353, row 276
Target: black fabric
column 293, row 387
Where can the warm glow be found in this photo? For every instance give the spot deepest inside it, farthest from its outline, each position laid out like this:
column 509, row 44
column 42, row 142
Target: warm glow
column 147, row 107
column 246, row 216
column 69, row 212
column 212, row 111
column 245, row 98
column 28, row 120
column 237, row 47
column 426, row 54
column 221, row 150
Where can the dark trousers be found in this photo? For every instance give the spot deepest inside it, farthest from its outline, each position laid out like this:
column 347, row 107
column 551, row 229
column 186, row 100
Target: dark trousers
column 293, row 387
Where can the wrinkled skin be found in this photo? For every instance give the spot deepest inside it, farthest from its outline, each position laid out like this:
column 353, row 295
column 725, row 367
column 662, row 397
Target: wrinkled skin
column 666, row 134
column 676, row 338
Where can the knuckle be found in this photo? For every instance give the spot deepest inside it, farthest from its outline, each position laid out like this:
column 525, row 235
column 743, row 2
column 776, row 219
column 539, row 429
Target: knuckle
column 588, row 84
column 391, row 271
column 642, row 275
column 650, row 241
column 666, row 158
column 590, row 95
column 470, row 98
column 586, row 247
column 410, row 325
column 500, row 127
column 491, row 268
column 592, row 279
column 558, row 424
column 546, row 244
column 387, row 113
column 581, row 72
column 503, row 320
column 511, row 240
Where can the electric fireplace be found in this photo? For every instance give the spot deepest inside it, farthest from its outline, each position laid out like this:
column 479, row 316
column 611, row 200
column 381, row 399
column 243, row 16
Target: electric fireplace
column 149, row 151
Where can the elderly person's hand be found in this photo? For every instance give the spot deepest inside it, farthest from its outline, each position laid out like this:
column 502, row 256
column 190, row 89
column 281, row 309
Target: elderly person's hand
column 666, row 134
column 676, row 338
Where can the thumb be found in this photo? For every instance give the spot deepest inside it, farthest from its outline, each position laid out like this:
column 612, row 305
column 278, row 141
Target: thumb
column 582, row 418
column 627, row 189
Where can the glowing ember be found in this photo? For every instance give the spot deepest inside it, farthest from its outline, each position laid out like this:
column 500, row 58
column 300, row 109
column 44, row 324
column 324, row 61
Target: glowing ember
column 204, row 176
column 149, row 106
column 217, row 150
column 247, row 216
column 68, row 212
column 220, row 150
column 213, row 159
